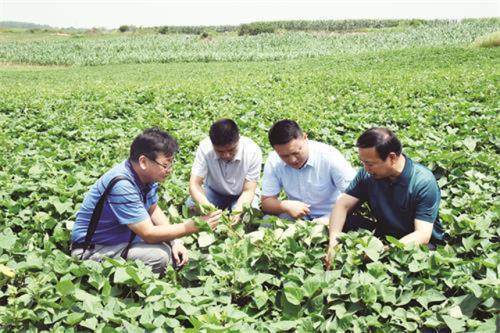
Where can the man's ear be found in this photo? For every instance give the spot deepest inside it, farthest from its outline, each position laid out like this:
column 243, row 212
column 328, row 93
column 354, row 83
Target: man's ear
column 142, row 161
column 304, row 136
column 393, row 157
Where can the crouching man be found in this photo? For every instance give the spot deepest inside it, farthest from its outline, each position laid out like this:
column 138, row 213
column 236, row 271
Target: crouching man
column 226, row 170
column 120, row 217
column 311, row 173
column 403, row 195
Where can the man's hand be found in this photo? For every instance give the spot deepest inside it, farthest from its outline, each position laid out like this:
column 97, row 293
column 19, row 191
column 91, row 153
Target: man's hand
column 296, row 209
column 213, row 218
column 180, row 254
column 235, row 219
column 330, row 252
column 321, row 220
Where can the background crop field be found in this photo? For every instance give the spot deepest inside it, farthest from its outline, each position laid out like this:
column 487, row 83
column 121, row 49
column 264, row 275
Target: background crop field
column 76, row 49
column 63, row 126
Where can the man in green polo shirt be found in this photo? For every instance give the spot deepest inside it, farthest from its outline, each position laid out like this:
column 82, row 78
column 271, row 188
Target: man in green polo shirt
column 403, row 195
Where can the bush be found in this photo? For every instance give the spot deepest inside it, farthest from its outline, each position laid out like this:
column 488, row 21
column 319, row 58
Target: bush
column 491, row 40
column 163, row 30
column 124, row 28
column 256, row 28
column 207, row 34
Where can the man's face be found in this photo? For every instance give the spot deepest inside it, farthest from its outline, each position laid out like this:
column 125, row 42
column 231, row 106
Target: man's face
column 294, row 153
column 160, row 168
column 227, row 152
column 374, row 165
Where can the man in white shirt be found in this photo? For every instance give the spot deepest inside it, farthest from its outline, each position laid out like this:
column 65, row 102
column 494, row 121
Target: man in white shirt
column 312, row 174
column 226, row 169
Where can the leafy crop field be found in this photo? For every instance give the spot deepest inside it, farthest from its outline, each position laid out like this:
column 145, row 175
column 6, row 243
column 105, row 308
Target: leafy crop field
column 61, row 127
column 155, row 48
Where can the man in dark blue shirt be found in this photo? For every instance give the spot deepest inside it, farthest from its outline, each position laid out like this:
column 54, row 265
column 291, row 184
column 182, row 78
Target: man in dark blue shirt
column 403, row 195
column 130, row 219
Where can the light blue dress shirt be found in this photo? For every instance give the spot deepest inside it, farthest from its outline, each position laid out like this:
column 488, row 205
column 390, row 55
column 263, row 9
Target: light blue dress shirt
column 318, row 183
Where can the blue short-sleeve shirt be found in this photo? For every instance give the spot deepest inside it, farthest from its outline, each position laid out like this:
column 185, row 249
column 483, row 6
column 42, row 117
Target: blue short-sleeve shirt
column 413, row 195
column 318, row 183
column 127, row 203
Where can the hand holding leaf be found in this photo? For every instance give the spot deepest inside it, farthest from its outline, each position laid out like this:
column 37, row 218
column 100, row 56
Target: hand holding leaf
column 208, row 222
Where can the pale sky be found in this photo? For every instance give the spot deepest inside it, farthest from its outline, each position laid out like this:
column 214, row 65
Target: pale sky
column 113, row 13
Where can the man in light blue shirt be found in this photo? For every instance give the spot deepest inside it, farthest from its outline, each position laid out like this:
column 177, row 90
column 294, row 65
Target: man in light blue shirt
column 312, row 175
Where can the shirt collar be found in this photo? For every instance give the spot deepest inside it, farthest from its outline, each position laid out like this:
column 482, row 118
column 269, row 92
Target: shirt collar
column 239, row 153
column 312, row 159
column 404, row 177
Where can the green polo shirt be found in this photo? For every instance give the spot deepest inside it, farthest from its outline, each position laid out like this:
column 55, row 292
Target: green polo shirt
column 413, row 195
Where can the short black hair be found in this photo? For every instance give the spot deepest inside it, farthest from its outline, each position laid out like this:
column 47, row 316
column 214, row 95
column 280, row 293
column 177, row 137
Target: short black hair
column 283, row 132
column 383, row 139
column 151, row 142
column 224, row 132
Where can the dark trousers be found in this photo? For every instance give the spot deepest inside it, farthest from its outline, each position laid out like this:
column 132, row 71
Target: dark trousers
column 355, row 222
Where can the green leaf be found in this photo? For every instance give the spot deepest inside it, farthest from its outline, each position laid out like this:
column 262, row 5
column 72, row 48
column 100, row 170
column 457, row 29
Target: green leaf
column 243, row 276
column 90, row 323
column 470, row 143
column 468, row 304
column 284, row 325
column 173, row 213
column 65, row 287
column 91, row 300
column 311, row 285
column 121, row 275
column 260, row 298
column 293, row 293
column 172, row 322
column 189, row 309
column 147, row 317
column 454, row 324
column 7, row 239
column 374, row 249
column 205, row 239
column 74, row 318
column 202, row 225
column 6, row 271
column 430, row 296
column 62, row 207
column 488, row 326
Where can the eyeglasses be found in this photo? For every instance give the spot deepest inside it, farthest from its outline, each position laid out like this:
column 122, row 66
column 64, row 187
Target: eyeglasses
column 164, row 166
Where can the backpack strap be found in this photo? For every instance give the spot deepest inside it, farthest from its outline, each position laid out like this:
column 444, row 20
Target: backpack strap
column 96, row 215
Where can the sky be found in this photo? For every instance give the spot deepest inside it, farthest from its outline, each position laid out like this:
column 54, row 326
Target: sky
column 113, row 13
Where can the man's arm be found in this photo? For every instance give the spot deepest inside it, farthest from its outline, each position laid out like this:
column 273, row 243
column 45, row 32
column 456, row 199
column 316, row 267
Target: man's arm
column 251, row 179
column 271, row 205
column 179, row 252
column 196, row 190
column 421, row 235
column 157, row 215
column 153, row 234
column 345, row 203
column 296, row 209
column 246, row 196
column 426, row 212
